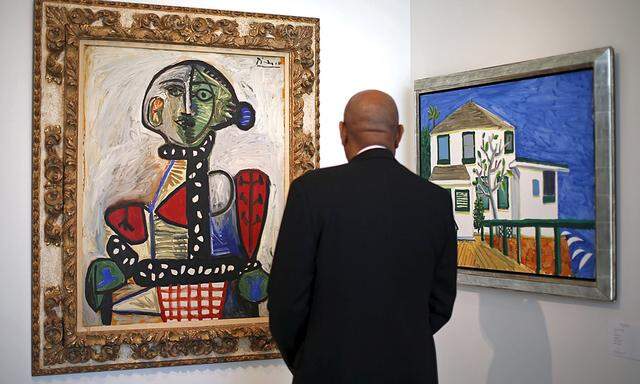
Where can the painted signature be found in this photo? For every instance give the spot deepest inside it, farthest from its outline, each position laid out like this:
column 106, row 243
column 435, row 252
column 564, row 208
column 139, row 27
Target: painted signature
column 272, row 62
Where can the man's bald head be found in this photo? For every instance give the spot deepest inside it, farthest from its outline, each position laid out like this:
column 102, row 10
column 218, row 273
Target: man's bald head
column 370, row 118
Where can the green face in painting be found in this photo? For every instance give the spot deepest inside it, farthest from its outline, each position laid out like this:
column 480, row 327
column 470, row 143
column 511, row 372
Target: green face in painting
column 187, row 101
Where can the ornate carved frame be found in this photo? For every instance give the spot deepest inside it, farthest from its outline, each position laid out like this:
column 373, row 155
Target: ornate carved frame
column 59, row 26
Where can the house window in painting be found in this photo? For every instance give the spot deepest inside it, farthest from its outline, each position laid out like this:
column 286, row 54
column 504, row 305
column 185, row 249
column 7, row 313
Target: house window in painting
column 468, row 148
column 508, row 142
column 443, row 150
column 462, row 200
column 535, row 185
column 503, row 195
column 548, row 186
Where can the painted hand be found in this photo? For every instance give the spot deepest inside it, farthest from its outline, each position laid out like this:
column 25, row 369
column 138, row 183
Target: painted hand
column 253, row 282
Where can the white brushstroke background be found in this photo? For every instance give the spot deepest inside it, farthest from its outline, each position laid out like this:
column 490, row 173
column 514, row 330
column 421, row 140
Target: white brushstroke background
column 120, row 160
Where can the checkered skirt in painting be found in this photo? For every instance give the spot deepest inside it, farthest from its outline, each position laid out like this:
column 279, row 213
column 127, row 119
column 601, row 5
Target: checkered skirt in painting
column 192, row 301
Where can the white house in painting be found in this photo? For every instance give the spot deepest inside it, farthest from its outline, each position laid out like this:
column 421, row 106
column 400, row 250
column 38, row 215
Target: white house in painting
column 530, row 190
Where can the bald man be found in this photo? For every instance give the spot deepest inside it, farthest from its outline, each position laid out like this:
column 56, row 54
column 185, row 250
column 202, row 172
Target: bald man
column 364, row 271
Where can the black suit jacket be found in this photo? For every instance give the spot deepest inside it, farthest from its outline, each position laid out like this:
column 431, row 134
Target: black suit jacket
column 364, row 273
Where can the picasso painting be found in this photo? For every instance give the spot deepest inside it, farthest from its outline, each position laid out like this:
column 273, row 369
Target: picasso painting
column 170, row 139
column 194, row 233
column 518, row 148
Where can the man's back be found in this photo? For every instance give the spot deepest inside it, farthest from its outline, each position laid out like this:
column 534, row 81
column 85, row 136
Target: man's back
column 364, row 273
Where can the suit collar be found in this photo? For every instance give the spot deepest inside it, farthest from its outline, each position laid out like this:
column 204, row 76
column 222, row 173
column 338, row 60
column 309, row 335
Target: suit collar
column 375, row 153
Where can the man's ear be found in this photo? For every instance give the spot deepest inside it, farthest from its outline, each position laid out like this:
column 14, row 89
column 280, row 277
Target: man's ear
column 400, row 131
column 343, row 134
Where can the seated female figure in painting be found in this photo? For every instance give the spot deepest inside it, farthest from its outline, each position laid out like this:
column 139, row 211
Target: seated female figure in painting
column 190, row 253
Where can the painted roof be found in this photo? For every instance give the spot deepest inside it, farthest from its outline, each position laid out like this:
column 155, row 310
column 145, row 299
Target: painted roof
column 449, row 172
column 470, row 116
column 541, row 163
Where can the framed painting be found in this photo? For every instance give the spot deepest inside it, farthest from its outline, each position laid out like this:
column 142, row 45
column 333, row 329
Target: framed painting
column 527, row 152
column 164, row 141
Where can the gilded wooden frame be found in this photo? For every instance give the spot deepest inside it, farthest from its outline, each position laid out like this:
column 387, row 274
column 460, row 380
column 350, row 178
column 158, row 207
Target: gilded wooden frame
column 601, row 61
column 59, row 27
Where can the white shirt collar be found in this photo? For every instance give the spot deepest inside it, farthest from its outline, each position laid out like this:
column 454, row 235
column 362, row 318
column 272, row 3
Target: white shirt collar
column 370, row 147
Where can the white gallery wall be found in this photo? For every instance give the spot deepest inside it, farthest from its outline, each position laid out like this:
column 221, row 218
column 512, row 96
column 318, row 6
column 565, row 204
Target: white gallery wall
column 501, row 337
column 364, row 44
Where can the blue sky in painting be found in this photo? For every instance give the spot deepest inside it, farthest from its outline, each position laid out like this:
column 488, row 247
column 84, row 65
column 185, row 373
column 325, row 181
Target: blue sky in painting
column 553, row 121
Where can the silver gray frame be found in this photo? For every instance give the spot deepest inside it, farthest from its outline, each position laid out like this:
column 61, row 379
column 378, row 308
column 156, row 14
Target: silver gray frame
column 601, row 61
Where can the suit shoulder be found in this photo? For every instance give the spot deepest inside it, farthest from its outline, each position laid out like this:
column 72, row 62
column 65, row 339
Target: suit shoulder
column 443, row 194
column 426, row 185
column 438, row 198
column 319, row 175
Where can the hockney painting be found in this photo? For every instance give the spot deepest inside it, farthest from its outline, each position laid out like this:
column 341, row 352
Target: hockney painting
column 518, row 160
column 184, row 168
